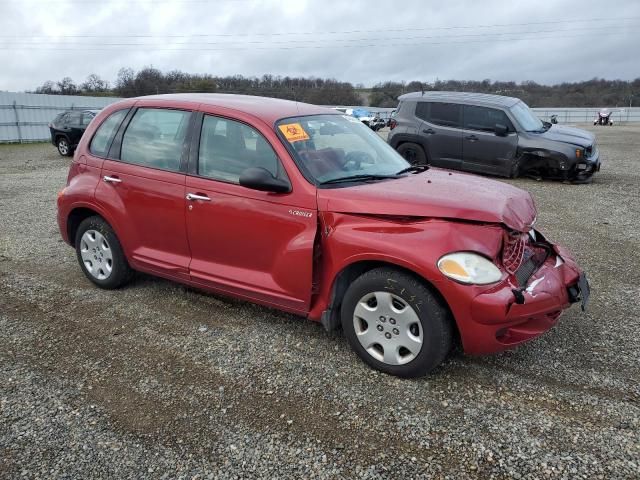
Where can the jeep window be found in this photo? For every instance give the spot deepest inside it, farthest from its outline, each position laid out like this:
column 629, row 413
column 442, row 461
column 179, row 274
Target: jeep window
column 155, row 137
column 526, row 118
column 86, row 118
column 102, row 139
column 330, row 147
column 227, row 148
column 445, row 114
column 74, row 119
column 485, row 119
column 422, row 110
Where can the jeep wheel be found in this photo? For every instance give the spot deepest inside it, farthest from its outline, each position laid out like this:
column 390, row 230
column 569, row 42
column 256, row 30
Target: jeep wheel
column 64, row 148
column 412, row 153
column 395, row 323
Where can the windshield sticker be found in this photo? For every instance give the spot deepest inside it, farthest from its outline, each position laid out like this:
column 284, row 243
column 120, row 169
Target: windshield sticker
column 351, row 119
column 293, row 132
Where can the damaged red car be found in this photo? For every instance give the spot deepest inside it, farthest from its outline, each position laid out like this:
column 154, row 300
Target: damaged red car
column 306, row 210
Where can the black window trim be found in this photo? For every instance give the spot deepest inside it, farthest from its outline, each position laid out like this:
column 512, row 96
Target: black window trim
column 115, row 150
column 110, row 141
column 194, row 153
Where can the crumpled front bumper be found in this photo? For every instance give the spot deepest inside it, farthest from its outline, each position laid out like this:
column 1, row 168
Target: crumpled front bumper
column 585, row 168
column 501, row 320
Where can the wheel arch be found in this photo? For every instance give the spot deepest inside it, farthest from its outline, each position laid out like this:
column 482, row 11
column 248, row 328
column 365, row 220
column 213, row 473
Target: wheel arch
column 81, row 212
column 330, row 318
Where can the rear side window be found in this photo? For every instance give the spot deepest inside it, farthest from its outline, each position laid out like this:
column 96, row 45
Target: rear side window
column 74, row 118
column 155, row 137
column 484, row 118
column 101, row 141
column 422, row 110
column 227, row 148
column 445, row 114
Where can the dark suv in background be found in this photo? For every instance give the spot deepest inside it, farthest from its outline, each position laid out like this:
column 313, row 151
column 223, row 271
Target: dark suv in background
column 67, row 129
column 490, row 134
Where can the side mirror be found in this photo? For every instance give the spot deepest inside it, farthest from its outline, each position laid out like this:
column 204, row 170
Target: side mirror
column 259, row 178
column 501, row 130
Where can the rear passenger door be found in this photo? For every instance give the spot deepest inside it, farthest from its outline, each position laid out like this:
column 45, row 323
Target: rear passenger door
column 483, row 150
column 442, row 132
column 143, row 187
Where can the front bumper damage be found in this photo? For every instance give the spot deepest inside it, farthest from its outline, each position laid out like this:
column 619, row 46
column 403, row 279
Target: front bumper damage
column 512, row 313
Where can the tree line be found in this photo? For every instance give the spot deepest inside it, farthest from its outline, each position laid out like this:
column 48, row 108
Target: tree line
column 148, row 81
column 596, row 92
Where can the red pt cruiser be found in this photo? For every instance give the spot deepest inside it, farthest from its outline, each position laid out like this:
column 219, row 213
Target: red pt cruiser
column 306, row 210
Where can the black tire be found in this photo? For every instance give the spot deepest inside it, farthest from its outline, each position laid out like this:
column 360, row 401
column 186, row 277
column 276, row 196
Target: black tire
column 64, row 147
column 434, row 318
column 121, row 273
column 412, row 153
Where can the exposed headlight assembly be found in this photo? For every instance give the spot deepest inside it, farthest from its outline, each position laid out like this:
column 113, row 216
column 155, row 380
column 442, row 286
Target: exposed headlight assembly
column 468, row 267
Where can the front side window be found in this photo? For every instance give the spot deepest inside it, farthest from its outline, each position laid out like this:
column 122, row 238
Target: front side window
column 86, row 118
column 228, row 148
column 155, row 137
column 104, row 135
column 485, row 119
column 445, row 114
column 331, row 147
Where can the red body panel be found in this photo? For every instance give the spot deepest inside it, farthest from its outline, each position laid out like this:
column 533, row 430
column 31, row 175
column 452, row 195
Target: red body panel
column 286, row 250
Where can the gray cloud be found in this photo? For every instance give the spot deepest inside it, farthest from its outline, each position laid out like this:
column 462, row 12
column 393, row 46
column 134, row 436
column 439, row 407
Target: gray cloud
column 412, row 40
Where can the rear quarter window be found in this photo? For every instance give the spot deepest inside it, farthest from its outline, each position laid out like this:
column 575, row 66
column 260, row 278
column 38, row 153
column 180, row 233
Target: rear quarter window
column 101, row 140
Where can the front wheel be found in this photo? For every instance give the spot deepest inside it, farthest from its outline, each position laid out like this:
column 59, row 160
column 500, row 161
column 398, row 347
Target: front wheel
column 412, row 153
column 100, row 254
column 395, row 323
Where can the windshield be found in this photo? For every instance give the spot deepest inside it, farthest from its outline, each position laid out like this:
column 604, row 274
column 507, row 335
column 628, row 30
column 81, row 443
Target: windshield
column 526, row 118
column 331, row 147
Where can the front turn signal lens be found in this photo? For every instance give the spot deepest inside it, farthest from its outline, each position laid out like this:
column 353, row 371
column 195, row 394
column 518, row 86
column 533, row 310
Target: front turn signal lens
column 579, row 153
column 470, row 268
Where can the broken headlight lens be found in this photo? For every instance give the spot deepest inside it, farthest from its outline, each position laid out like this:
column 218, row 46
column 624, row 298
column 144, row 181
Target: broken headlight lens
column 468, row 267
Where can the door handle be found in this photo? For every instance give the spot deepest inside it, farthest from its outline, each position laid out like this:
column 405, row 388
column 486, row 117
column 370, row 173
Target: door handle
column 108, row 179
column 471, row 138
column 193, row 196
column 429, row 131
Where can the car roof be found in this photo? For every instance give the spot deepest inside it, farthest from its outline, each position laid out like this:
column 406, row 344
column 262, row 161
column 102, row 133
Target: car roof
column 265, row 108
column 462, row 97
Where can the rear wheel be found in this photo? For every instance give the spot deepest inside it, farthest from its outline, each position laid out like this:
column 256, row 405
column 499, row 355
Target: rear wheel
column 412, row 153
column 100, row 254
column 395, row 323
column 64, row 148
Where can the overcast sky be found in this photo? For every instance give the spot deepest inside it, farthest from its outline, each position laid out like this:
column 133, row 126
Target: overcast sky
column 357, row 41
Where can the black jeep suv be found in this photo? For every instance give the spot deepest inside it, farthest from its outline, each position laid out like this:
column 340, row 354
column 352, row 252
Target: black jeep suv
column 490, row 134
column 67, row 128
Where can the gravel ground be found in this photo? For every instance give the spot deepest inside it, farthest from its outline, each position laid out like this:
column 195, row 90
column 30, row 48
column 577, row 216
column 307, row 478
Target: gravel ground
column 161, row 381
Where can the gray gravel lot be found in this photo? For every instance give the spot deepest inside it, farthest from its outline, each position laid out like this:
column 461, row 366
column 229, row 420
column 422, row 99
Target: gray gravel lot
column 161, row 381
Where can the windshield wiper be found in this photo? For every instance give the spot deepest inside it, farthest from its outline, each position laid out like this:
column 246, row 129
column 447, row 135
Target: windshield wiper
column 414, row 168
column 356, row 178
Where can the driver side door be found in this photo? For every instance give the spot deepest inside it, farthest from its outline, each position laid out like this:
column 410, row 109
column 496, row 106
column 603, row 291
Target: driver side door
column 248, row 243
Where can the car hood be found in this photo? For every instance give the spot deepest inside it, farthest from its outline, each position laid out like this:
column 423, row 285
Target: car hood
column 436, row 193
column 575, row 136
